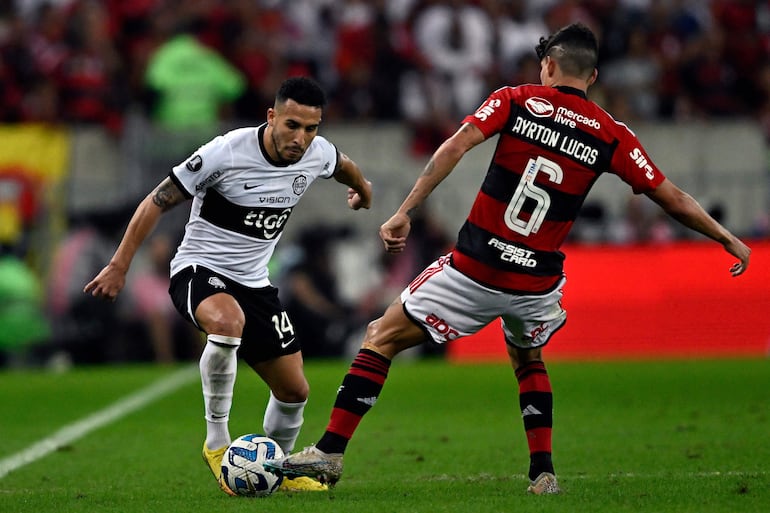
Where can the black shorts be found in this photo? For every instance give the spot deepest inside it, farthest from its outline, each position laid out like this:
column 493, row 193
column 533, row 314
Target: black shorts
column 268, row 332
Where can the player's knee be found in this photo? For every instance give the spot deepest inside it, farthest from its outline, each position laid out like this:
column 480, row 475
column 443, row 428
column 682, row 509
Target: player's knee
column 376, row 339
column 520, row 357
column 292, row 392
column 223, row 323
column 221, row 314
column 372, row 329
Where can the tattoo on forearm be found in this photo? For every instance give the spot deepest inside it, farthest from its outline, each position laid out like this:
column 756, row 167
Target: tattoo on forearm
column 166, row 195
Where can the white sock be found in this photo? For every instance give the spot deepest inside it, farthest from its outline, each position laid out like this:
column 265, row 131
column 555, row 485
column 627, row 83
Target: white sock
column 283, row 421
column 218, row 367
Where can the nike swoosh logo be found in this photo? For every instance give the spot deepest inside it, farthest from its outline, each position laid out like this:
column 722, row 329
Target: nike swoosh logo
column 284, row 345
column 249, row 187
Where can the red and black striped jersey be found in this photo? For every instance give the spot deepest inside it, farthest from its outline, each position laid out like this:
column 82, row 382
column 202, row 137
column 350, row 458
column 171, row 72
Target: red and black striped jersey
column 553, row 145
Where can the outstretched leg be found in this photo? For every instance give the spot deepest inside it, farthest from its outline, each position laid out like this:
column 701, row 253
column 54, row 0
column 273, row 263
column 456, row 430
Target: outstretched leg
column 360, row 388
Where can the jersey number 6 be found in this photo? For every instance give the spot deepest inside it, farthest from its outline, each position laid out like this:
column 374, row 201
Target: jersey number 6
column 528, row 190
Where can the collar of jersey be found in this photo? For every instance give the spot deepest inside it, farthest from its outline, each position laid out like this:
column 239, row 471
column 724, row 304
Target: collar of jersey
column 261, row 139
column 570, row 90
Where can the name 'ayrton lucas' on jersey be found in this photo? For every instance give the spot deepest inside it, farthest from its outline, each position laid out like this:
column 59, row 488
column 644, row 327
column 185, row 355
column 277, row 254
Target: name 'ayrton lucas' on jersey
column 555, row 139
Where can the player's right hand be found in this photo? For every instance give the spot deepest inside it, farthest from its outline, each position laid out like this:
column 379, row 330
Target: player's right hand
column 394, row 232
column 107, row 284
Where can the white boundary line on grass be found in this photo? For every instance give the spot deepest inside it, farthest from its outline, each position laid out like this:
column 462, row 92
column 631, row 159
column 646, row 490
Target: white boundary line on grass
column 101, row 418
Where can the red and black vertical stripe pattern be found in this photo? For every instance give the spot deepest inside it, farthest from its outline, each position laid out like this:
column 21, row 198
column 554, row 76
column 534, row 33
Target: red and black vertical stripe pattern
column 536, row 401
column 359, row 391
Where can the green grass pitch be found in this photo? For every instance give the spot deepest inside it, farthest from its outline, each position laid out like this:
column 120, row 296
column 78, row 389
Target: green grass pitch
column 676, row 436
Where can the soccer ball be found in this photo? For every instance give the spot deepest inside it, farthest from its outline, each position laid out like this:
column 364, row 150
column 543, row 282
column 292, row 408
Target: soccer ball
column 242, row 467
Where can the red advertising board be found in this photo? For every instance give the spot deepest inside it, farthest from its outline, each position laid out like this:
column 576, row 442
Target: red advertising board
column 668, row 301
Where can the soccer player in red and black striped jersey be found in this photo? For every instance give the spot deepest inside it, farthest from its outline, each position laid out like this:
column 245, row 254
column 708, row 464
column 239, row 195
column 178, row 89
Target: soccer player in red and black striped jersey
column 553, row 144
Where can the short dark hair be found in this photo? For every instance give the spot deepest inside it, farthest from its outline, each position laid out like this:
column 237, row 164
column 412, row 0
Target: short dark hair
column 302, row 90
column 574, row 47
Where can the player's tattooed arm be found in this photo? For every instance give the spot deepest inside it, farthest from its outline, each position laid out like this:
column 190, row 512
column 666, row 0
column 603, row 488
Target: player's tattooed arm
column 441, row 163
column 167, row 195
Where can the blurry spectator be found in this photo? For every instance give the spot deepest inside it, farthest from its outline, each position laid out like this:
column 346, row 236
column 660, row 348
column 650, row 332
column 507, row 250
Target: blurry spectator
column 32, row 52
column 15, row 69
column 90, row 79
column 737, row 19
column 193, row 89
column 563, row 12
column 322, row 321
column 23, row 324
column 29, row 8
column 170, row 337
column 517, row 36
column 763, row 112
column 85, row 329
column 591, row 224
column 354, row 56
column 258, row 47
column 527, row 70
column 310, row 39
column 394, row 55
column 137, row 28
column 455, row 39
column 708, row 79
column 642, row 223
column 635, row 76
column 668, row 33
column 193, row 85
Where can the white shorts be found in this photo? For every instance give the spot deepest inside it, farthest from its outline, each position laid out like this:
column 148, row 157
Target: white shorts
column 449, row 305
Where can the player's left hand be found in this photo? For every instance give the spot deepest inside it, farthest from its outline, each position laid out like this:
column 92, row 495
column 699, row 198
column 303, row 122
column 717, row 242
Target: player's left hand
column 357, row 200
column 741, row 251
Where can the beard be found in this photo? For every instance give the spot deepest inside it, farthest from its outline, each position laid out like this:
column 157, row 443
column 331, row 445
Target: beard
column 281, row 158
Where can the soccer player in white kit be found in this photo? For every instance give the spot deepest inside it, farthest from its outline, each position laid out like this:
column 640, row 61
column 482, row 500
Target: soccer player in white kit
column 244, row 186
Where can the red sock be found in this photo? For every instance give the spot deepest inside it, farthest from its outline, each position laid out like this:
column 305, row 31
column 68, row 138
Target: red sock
column 358, row 393
column 536, row 401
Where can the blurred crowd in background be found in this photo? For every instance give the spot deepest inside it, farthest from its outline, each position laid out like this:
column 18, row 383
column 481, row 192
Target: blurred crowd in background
column 426, row 62
column 192, row 64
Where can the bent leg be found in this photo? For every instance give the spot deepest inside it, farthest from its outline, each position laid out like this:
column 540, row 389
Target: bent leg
column 385, row 338
column 288, row 396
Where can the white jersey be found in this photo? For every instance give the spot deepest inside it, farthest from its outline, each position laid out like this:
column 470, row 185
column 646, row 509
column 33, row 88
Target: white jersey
column 241, row 202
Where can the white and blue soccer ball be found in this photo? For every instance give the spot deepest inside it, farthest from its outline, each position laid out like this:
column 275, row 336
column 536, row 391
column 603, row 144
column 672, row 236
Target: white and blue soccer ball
column 242, row 467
